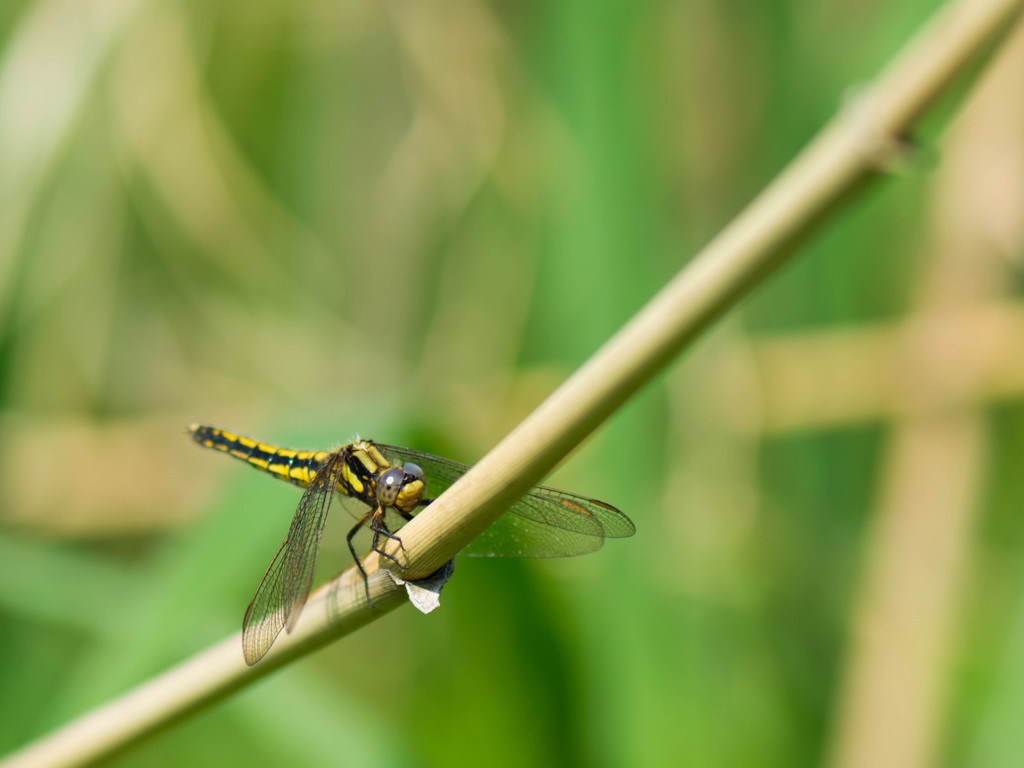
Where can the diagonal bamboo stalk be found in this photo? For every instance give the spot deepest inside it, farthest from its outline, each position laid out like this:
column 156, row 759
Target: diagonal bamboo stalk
column 862, row 140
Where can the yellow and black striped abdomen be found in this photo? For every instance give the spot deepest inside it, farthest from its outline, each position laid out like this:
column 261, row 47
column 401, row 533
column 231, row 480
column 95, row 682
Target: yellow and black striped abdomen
column 296, row 467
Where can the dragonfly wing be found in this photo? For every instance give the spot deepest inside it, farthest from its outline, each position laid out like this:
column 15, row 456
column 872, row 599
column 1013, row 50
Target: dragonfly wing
column 546, row 522
column 264, row 618
column 304, row 538
column 353, row 507
column 578, row 513
column 512, row 535
column 286, row 584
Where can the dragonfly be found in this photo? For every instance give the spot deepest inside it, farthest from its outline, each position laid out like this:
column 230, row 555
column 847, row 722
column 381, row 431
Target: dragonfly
column 389, row 485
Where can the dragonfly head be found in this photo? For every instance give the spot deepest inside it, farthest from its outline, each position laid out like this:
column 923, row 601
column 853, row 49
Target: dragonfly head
column 401, row 487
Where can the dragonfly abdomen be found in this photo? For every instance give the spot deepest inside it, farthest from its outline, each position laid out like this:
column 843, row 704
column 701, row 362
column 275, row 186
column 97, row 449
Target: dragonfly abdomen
column 296, row 467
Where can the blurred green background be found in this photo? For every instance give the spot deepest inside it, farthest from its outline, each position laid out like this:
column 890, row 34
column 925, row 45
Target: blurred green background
column 303, row 221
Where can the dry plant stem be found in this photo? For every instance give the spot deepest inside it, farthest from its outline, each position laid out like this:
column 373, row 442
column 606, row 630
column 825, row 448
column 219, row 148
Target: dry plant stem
column 811, row 380
column 894, row 700
column 863, row 139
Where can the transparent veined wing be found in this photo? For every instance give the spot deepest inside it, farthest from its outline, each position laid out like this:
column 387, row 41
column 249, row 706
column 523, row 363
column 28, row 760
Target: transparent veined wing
column 286, row 584
column 546, row 522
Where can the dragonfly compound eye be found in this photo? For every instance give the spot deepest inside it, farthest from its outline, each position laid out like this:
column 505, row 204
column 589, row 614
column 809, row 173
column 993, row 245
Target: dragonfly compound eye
column 413, row 485
column 388, row 486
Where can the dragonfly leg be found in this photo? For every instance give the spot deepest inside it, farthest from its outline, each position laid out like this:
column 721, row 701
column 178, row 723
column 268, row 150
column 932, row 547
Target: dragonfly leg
column 380, row 530
column 351, row 534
